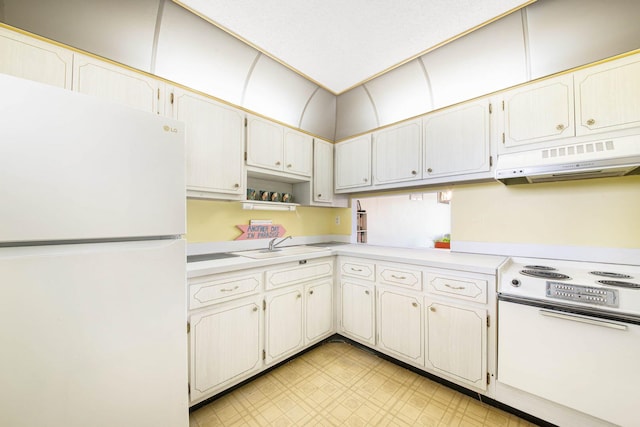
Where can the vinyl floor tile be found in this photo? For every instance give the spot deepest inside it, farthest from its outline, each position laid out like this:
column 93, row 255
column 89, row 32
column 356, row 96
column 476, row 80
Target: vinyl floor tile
column 338, row 384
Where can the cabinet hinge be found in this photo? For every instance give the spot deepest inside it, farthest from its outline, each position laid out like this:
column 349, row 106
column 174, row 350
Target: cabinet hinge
column 264, row 304
column 158, row 93
column 245, row 122
column 503, row 137
column 171, row 98
column 245, row 156
column 488, row 321
column 264, row 355
column 188, row 327
column 188, row 388
column 490, row 161
column 488, row 378
column 502, row 105
column 490, row 108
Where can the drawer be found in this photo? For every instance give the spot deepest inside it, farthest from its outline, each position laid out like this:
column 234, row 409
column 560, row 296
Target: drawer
column 458, row 287
column 223, row 288
column 298, row 272
column 399, row 275
column 358, row 268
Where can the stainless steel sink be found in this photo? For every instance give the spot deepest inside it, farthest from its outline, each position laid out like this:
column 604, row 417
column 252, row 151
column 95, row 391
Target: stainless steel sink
column 279, row 252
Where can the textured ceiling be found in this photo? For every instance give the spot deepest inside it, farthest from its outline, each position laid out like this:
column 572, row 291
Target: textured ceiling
column 341, row 43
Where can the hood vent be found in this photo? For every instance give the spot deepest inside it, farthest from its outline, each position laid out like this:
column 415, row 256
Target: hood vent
column 595, row 159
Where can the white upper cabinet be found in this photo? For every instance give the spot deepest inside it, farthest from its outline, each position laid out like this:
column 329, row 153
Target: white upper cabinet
column 353, row 163
column 539, row 112
column 272, row 146
column 298, row 152
column 100, row 78
column 608, row 96
column 29, row 58
column 457, row 141
column 214, row 146
column 322, row 171
column 397, row 153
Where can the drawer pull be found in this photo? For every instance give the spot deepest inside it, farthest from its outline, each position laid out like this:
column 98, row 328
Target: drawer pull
column 457, row 288
column 229, row 290
column 356, row 269
column 398, row 277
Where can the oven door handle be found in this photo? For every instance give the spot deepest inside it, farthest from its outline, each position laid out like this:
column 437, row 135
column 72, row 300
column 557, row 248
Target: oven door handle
column 583, row 319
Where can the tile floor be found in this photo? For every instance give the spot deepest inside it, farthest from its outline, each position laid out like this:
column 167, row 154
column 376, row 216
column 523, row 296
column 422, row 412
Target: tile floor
column 338, row 384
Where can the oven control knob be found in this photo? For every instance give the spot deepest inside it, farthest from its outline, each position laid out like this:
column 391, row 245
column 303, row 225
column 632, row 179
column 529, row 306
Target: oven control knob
column 515, row 283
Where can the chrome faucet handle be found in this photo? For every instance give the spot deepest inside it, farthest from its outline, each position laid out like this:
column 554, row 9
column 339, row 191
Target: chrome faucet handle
column 272, row 245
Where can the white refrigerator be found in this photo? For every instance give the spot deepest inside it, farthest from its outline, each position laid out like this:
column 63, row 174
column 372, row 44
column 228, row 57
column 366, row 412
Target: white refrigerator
column 92, row 262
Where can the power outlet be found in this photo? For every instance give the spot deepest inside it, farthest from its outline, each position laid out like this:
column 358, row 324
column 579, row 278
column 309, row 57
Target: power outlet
column 338, row 220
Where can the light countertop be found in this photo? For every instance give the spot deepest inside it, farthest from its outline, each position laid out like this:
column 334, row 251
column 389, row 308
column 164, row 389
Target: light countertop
column 435, row 258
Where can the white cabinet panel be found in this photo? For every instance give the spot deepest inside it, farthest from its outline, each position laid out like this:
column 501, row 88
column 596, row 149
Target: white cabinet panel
column 397, row 153
column 298, row 153
column 100, row 78
column 608, row 96
column 28, row 58
column 226, row 344
column 539, row 112
column 224, row 287
column 457, row 141
column 283, row 323
column 265, row 144
column 322, row 171
column 318, row 310
column 353, row 163
column 457, row 342
column 357, row 314
column 400, row 324
column 214, row 146
column 298, row 272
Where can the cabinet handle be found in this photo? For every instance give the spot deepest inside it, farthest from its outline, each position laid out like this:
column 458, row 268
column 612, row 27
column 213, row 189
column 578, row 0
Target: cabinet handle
column 398, row 277
column 320, row 195
column 298, row 296
column 415, row 304
column 429, row 170
column 289, row 165
column 355, row 269
column 365, row 179
column 591, row 122
column 433, row 309
column 255, row 309
column 311, row 292
column 366, row 292
column 229, row 290
column 236, row 185
column 278, row 163
column 457, row 288
column 560, row 126
column 414, row 173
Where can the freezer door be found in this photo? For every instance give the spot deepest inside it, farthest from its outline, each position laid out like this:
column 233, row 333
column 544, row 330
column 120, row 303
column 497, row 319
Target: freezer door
column 94, row 335
column 79, row 167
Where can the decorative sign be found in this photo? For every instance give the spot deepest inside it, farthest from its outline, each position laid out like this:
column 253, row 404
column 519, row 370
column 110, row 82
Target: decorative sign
column 260, row 231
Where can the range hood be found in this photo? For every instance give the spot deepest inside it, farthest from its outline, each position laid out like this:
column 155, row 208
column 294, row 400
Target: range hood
column 594, row 159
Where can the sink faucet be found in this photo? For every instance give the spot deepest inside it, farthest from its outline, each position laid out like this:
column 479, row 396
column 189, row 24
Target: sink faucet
column 273, row 244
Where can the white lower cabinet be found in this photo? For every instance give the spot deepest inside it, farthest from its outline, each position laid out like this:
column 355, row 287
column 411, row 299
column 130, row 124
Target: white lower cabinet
column 457, row 342
column 318, row 307
column 400, row 324
column 357, row 313
column 225, row 344
column 283, row 323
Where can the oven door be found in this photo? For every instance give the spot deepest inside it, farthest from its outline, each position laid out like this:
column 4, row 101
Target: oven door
column 586, row 363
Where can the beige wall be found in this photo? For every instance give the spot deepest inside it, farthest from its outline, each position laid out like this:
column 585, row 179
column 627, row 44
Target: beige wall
column 597, row 212
column 215, row 221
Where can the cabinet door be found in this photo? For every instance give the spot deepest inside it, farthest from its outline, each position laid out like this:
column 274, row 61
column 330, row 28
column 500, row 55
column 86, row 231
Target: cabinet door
column 397, row 153
column 400, row 325
column 284, row 323
column 225, row 346
column 214, row 146
column 322, row 171
column 318, row 310
column 100, row 78
column 608, row 96
column 265, row 144
column 456, row 141
column 357, row 311
column 298, row 152
column 28, row 58
column 353, row 163
column 457, row 343
column 539, row 112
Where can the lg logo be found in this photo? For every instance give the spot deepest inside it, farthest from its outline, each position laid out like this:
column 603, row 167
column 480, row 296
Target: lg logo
column 169, row 129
